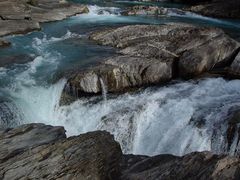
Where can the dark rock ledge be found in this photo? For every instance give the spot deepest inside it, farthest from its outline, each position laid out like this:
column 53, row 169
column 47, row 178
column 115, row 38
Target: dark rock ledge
column 153, row 55
column 38, row 151
column 23, row 16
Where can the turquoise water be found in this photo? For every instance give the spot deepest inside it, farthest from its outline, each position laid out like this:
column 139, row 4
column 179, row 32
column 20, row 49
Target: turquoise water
column 30, row 92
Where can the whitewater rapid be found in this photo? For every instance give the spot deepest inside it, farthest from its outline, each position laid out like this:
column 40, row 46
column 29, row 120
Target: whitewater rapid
column 179, row 118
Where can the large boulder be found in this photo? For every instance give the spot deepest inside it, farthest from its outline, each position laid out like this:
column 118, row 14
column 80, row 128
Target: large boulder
column 118, row 74
column 153, row 54
column 37, row 151
column 196, row 49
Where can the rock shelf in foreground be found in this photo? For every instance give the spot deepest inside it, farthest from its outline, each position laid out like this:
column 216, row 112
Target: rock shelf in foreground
column 38, row 151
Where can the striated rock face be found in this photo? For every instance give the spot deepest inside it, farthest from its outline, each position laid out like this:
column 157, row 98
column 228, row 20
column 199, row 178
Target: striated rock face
column 192, row 166
column 37, row 151
column 154, row 54
column 23, row 16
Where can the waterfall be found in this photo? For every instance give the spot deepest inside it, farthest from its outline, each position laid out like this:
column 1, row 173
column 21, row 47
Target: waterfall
column 104, row 89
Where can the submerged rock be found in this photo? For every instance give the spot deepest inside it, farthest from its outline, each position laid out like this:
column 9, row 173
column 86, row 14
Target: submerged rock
column 4, row 43
column 154, row 54
column 15, row 59
column 23, row 16
column 38, row 151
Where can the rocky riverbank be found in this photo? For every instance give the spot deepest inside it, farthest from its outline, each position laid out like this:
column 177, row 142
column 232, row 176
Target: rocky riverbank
column 212, row 8
column 155, row 54
column 43, row 152
column 218, row 8
column 23, row 16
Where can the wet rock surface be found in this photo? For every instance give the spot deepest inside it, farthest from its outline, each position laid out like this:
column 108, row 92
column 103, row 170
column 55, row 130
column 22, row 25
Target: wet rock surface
column 38, row 151
column 18, row 59
column 154, row 54
column 23, row 16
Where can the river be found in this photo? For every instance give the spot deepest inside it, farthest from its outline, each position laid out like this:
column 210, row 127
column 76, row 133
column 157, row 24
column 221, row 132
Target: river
column 177, row 118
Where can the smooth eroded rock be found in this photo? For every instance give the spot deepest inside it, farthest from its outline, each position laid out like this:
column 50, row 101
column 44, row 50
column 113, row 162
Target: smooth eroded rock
column 118, row 74
column 154, row 54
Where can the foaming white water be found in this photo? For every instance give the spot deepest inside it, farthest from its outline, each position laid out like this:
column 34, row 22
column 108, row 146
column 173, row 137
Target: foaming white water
column 41, row 43
column 98, row 15
column 96, row 10
column 177, row 119
column 104, row 89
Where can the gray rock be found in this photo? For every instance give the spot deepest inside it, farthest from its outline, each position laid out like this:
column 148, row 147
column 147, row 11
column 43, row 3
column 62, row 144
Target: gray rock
column 234, row 69
column 38, row 151
column 119, row 74
column 151, row 11
column 18, row 140
column 192, row 166
column 197, row 49
column 15, row 59
column 23, row 16
column 153, row 54
column 218, row 9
